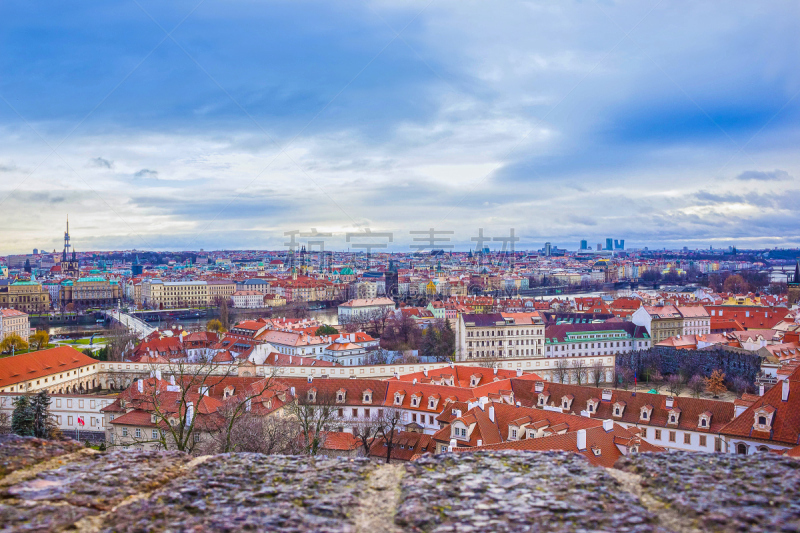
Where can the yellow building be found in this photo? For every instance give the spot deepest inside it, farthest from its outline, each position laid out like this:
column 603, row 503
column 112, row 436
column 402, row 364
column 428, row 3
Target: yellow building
column 27, row 296
column 219, row 290
column 158, row 294
column 94, row 291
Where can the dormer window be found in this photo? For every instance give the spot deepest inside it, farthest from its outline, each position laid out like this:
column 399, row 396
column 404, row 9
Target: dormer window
column 703, row 422
column 762, row 420
column 366, row 396
column 398, row 398
column 619, row 408
column 341, row 394
column 590, row 407
column 311, row 395
column 415, row 401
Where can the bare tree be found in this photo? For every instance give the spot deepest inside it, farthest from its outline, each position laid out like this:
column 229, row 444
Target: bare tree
column 598, row 373
column 5, row 423
column 675, row 384
column 697, row 385
column 367, row 430
column 120, row 342
column 378, row 356
column 579, row 370
column 314, row 412
column 389, row 429
column 257, row 433
column 561, row 370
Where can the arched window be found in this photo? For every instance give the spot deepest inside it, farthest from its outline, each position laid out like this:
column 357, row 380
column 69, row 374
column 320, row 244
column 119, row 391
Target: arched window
column 763, row 449
column 762, row 420
column 741, row 448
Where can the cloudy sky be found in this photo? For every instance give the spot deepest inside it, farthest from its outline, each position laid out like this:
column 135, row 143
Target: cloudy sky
column 209, row 124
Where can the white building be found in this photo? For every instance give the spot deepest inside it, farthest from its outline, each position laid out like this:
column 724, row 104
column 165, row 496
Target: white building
column 14, row 321
column 69, row 410
column 247, row 299
column 364, row 307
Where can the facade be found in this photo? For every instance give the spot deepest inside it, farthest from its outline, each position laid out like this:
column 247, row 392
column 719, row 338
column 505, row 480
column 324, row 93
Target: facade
column 13, row 321
column 27, row 296
column 219, row 290
column 661, row 322
column 696, row 320
column 362, row 308
column 158, row 294
column 94, row 291
column 61, row 370
column 607, row 338
column 68, row 411
column 794, row 286
column 500, row 335
column 248, row 299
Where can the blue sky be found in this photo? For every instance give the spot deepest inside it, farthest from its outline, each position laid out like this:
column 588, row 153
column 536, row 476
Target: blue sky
column 226, row 124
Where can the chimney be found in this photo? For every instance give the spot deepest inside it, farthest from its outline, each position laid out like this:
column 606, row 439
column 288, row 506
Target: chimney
column 290, row 359
column 538, row 386
column 414, row 382
column 452, row 445
column 761, row 390
column 140, row 385
column 248, row 405
column 189, row 413
column 608, row 425
column 425, row 371
column 519, row 372
column 172, row 380
column 396, row 375
column 606, row 396
column 158, row 374
column 785, row 389
column 458, row 413
column 581, row 439
column 310, row 379
column 291, row 391
column 480, row 442
column 495, row 369
column 670, row 402
column 491, row 413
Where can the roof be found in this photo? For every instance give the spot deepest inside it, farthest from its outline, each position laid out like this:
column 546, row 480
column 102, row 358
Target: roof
column 33, row 365
column 368, row 302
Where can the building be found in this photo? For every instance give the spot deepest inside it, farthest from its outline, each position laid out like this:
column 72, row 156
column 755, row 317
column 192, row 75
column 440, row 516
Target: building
column 219, row 290
column 661, row 322
column 584, row 244
column 69, row 262
column 27, row 296
column 93, row 291
column 696, row 320
column 499, row 335
column 61, row 370
column 68, row 411
column 13, row 321
column 362, row 308
column 158, row 294
column 248, row 299
column 794, row 285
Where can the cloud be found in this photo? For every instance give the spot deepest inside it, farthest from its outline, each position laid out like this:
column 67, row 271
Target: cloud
column 11, row 167
column 145, row 173
column 758, row 175
column 99, row 162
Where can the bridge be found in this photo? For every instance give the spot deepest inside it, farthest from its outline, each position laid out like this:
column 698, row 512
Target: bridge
column 139, row 327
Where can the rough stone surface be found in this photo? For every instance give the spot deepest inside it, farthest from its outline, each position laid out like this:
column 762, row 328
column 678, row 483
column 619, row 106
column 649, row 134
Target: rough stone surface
column 517, row 491
column 53, row 487
column 21, row 452
column 722, row 492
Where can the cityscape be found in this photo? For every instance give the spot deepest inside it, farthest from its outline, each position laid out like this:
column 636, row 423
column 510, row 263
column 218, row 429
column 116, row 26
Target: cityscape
column 412, row 268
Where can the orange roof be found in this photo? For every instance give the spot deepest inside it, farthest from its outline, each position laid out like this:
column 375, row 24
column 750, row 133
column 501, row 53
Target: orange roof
column 25, row 367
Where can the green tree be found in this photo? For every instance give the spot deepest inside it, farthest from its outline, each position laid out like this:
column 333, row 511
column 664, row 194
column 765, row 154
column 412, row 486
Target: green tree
column 13, row 342
column 325, row 329
column 42, row 423
column 23, row 418
column 40, row 339
column 215, row 325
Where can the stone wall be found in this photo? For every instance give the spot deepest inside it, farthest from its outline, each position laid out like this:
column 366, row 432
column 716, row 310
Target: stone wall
column 46, row 486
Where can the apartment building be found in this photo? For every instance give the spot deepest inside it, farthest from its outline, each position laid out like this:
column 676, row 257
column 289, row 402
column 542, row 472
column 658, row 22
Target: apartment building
column 607, row 338
column 61, row 370
column 27, row 296
column 158, row 294
column 78, row 416
column 13, row 321
column 219, row 290
column 670, row 321
column 500, row 335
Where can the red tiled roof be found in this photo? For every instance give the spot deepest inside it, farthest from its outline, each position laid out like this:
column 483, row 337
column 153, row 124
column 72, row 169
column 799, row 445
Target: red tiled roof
column 34, row 365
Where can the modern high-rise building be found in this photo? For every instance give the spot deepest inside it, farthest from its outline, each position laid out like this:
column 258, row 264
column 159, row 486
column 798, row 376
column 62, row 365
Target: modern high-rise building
column 547, row 249
column 584, row 244
column 609, row 243
column 619, row 244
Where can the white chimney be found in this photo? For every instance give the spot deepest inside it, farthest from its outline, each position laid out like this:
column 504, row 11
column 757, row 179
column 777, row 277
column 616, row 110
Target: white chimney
column 519, row 372
column 452, row 445
column 291, row 391
column 396, row 375
column 785, row 390
column 670, row 402
column 172, row 380
column 248, row 405
column 189, row 413
column 158, row 374
column 761, row 390
column 290, row 359
column 480, row 442
column 458, row 413
column 310, row 379
column 414, row 382
column 495, row 369
column 425, row 371
column 140, row 385
column 538, row 386
column 581, row 439
column 491, row 413
column 608, row 425
column 607, row 395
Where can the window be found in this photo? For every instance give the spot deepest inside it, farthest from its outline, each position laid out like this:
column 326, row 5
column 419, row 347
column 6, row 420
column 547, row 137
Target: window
column 687, row 438
column 155, row 434
column 197, row 437
column 672, row 436
column 658, row 434
column 703, row 441
column 762, row 420
column 513, row 433
column 124, row 431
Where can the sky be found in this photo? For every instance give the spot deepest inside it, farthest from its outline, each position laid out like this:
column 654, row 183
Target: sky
column 203, row 124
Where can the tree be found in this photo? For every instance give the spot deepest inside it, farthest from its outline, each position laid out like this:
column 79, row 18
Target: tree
column 367, row 430
column 119, row 342
column 377, row 356
column 715, row 383
column 28, row 266
column 40, row 339
column 561, row 371
column 13, row 343
column 314, row 412
column 389, row 429
column 697, row 384
column 735, row 284
column 579, row 371
column 739, row 385
column 43, row 425
column 5, row 423
column 23, row 417
column 255, row 433
column 215, row 325
column 325, row 329
column 224, row 316
column 598, row 373
column 675, row 384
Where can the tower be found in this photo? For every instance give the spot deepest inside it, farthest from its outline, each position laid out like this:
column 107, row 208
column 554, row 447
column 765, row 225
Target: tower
column 69, row 263
column 794, row 285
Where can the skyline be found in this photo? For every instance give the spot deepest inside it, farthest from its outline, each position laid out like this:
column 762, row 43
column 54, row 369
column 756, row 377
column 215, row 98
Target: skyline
column 667, row 126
